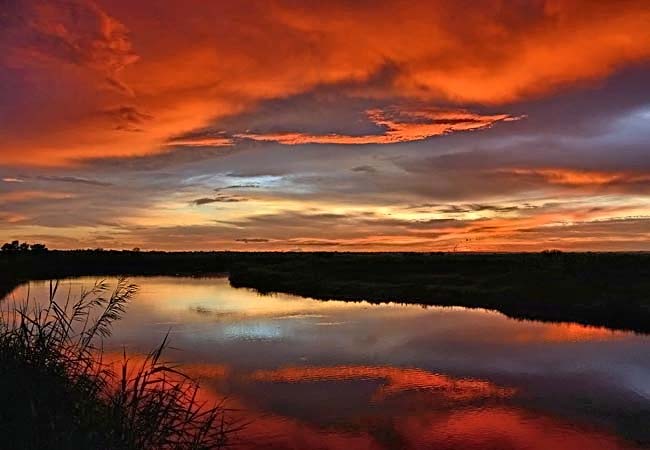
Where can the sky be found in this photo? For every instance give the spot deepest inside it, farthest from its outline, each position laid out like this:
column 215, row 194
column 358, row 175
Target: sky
column 464, row 125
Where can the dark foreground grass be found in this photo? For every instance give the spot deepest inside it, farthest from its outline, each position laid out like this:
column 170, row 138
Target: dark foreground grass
column 57, row 392
column 608, row 289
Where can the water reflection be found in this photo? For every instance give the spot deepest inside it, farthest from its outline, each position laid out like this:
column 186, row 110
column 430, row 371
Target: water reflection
column 335, row 375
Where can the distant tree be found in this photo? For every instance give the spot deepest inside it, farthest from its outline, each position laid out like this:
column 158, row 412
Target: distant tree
column 38, row 248
column 136, row 249
column 11, row 247
column 14, row 247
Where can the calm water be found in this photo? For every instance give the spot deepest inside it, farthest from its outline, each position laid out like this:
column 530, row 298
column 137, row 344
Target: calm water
column 335, row 375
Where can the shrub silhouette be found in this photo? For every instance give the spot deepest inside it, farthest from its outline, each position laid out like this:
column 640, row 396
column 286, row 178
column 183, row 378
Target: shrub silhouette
column 14, row 247
column 57, row 392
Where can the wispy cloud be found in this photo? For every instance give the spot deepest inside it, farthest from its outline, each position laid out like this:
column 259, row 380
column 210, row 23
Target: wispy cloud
column 127, row 118
column 205, row 141
column 74, row 32
column 364, row 169
column 399, row 125
column 252, row 240
column 238, row 186
column 218, row 199
column 573, row 177
column 71, row 179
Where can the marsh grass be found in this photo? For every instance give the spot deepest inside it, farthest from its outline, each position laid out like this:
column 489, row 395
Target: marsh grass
column 57, row 391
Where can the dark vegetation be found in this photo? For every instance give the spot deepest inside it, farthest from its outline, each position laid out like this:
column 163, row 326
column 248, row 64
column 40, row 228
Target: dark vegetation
column 14, row 247
column 57, row 392
column 609, row 289
column 606, row 289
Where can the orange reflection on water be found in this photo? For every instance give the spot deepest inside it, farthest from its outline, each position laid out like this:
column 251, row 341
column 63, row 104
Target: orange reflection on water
column 395, row 379
column 214, row 297
column 467, row 414
column 136, row 362
column 566, row 332
column 472, row 414
column 501, row 428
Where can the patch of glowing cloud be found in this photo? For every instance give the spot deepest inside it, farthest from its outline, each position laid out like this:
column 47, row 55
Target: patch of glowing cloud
column 202, row 142
column 22, row 196
column 211, row 66
column 405, row 125
column 12, row 218
column 571, row 177
column 76, row 32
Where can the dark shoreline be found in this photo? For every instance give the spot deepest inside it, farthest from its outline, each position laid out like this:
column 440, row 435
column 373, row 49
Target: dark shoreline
column 600, row 289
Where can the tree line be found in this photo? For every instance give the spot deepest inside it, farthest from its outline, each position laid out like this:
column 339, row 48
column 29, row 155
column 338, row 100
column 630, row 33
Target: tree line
column 14, row 247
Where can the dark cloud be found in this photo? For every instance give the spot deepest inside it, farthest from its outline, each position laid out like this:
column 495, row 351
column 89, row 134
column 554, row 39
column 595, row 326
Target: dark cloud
column 127, row 118
column 173, row 159
column 621, row 226
column 478, row 207
column 238, row 186
column 287, row 225
column 364, row 169
column 71, row 179
column 218, row 199
column 72, row 31
column 257, row 173
column 252, row 240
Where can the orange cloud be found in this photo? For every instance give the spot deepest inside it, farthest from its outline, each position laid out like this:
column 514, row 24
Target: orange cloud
column 12, row 218
column 23, row 196
column 75, row 60
column 202, row 142
column 76, row 32
column 494, row 52
column 400, row 126
column 571, row 177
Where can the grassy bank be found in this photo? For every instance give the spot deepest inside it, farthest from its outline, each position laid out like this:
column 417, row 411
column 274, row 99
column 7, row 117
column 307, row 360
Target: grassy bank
column 57, row 391
column 609, row 289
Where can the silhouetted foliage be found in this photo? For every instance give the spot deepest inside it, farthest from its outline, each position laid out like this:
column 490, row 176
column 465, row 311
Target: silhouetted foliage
column 38, row 248
column 57, row 392
column 15, row 247
column 11, row 247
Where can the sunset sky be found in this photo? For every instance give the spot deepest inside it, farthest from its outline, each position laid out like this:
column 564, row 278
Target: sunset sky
column 467, row 125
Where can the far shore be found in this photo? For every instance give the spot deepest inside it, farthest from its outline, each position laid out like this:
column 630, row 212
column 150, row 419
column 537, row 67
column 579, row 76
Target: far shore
column 602, row 289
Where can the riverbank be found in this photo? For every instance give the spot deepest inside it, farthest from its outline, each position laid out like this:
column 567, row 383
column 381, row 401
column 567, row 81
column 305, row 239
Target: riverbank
column 60, row 390
column 604, row 289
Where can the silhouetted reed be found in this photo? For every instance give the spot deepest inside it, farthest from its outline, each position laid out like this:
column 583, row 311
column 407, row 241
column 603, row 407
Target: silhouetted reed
column 57, row 391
